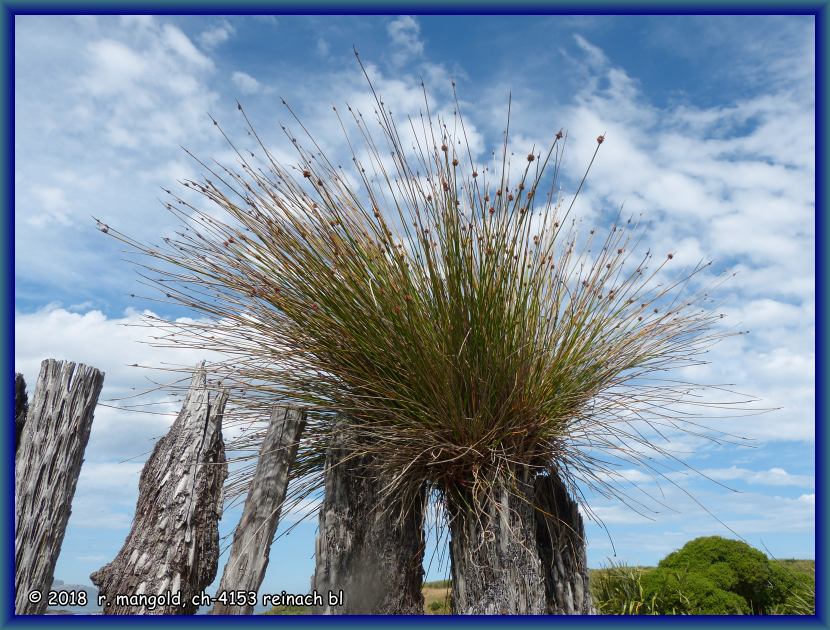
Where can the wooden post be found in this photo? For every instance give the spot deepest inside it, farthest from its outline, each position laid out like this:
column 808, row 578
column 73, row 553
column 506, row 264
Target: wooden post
column 363, row 550
column 560, row 536
column 494, row 563
column 47, row 465
column 21, row 407
column 172, row 549
column 252, row 539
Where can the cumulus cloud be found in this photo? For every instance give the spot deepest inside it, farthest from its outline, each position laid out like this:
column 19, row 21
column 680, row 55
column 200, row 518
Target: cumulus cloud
column 121, row 348
column 181, row 44
column 139, row 400
column 52, row 207
column 246, row 83
column 216, row 35
column 763, row 520
column 126, row 88
column 405, row 34
column 712, row 187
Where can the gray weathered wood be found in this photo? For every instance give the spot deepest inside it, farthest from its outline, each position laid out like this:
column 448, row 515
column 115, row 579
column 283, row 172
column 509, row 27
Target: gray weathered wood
column 21, row 406
column 173, row 545
column 362, row 547
column 495, row 566
column 47, row 465
column 560, row 536
column 248, row 559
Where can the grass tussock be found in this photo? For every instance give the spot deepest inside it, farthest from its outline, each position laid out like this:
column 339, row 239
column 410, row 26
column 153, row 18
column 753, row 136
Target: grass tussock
column 451, row 309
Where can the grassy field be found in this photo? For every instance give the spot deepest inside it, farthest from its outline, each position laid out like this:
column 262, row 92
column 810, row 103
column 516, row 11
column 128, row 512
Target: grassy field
column 437, row 597
column 799, row 566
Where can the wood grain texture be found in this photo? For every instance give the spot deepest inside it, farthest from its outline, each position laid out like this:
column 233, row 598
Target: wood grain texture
column 173, row 545
column 252, row 539
column 495, row 566
column 47, row 464
column 560, row 536
column 375, row 558
column 21, row 407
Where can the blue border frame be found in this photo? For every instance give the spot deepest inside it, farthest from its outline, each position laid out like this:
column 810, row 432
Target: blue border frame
column 9, row 10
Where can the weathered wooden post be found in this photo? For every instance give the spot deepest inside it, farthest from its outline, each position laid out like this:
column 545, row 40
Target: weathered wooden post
column 495, row 566
column 524, row 555
column 172, row 549
column 21, row 406
column 560, row 537
column 248, row 559
column 47, row 464
column 362, row 548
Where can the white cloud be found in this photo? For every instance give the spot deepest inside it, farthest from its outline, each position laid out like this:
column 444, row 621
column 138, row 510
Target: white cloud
column 246, row 83
column 217, row 35
column 103, row 96
column 593, row 54
column 772, row 477
column 405, row 33
column 713, row 187
column 181, row 44
column 52, row 207
column 113, row 346
column 132, row 412
column 752, row 516
column 114, row 68
column 138, row 21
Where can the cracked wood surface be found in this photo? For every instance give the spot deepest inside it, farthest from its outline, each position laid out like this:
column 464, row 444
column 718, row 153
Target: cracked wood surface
column 252, row 539
column 47, row 464
column 173, row 545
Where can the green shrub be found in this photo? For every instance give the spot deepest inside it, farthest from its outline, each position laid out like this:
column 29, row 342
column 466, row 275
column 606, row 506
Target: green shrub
column 678, row 592
column 792, row 592
column 708, row 576
column 730, row 565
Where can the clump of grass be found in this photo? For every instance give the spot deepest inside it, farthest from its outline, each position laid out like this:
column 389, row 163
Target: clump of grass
column 617, row 590
column 455, row 314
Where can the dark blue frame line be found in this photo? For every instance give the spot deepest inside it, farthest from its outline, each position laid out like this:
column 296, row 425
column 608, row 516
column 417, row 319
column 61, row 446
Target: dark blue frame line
column 427, row 7
column 11, row 9
column 7, row 474
column 821, row 266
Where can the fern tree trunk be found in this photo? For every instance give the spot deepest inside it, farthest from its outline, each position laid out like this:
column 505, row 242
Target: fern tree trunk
column 496, row 568
column 362, row 549
column 560, row 539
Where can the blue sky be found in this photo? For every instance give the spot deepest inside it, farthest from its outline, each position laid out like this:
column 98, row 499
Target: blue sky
column 710, row 133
